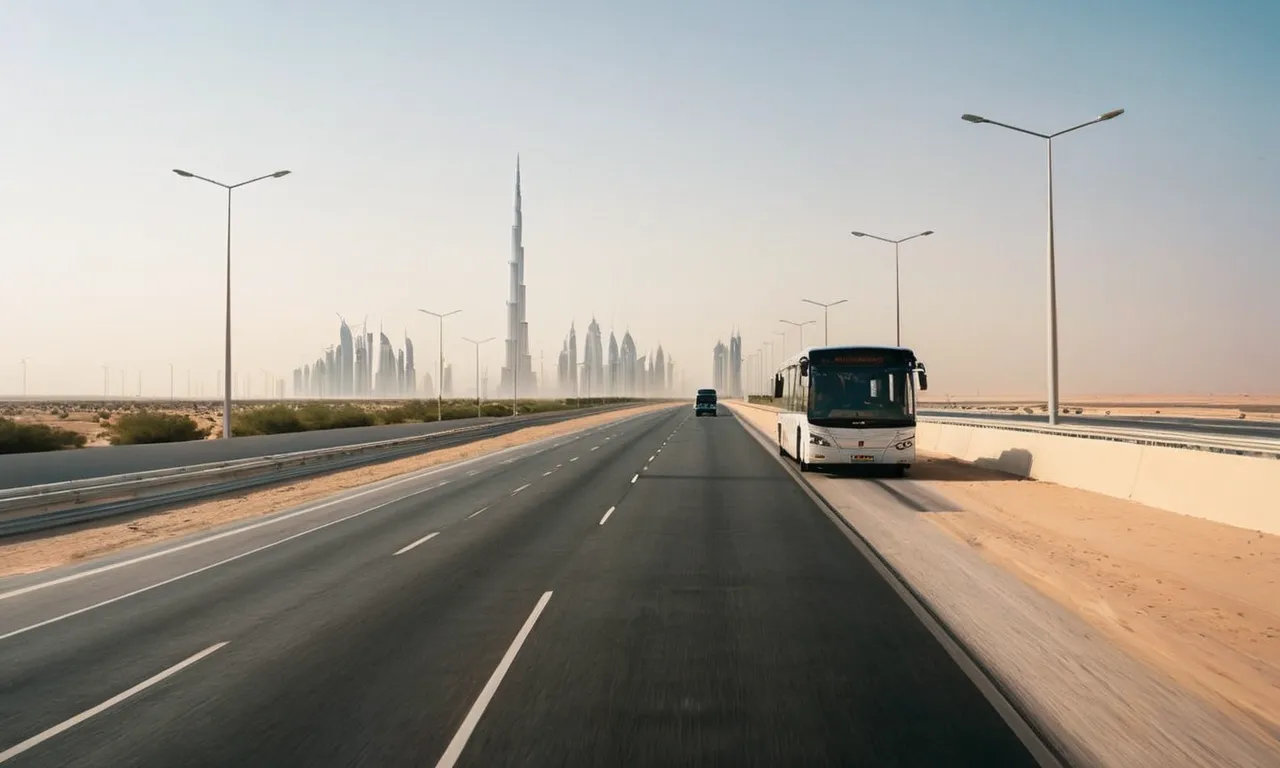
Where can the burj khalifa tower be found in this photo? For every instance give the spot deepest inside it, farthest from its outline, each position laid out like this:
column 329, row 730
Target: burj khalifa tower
column 517, row 373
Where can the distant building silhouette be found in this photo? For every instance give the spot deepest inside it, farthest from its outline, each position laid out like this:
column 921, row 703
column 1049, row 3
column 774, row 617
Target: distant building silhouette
column 517, row 373
column 720, row 367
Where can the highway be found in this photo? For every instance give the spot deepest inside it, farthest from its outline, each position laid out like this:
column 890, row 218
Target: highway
column 24, row 469
column 658, row 591
column 1191, row 426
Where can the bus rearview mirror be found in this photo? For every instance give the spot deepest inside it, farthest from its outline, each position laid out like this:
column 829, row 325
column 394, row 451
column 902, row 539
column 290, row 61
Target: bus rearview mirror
column 924, row 381
column 777, row 386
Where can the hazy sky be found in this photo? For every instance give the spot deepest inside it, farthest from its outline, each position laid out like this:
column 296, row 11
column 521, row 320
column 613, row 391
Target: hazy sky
column 688, row 167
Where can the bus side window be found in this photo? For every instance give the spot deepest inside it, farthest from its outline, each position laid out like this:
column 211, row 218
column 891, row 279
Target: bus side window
column 804, row 393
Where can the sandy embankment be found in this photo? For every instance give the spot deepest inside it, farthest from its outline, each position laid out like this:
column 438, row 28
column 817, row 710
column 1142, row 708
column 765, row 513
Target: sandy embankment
column 1234, row 407
column 1197, row 600
column 39, row 551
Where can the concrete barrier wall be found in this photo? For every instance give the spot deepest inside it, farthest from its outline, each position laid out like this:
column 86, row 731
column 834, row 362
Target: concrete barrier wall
column 1243, row 491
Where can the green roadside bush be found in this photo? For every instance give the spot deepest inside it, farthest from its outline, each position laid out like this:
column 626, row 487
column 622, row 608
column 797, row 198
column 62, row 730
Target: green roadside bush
column 143, row 427
column 20, row 437
column 282, row 418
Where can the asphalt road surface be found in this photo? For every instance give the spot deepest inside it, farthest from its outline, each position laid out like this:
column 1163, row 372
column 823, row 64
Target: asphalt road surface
column 1193, row 427
column 17, row 470
column 658, row 591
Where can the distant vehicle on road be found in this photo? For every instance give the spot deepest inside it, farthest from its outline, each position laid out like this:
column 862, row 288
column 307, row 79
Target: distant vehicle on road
column 705, row 402
column 848, row 406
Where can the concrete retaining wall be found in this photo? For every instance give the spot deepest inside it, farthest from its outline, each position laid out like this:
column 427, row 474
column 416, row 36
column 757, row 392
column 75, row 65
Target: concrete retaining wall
column 1243, row 491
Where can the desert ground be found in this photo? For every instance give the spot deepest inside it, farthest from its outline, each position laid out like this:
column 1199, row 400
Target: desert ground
column 1237, row 406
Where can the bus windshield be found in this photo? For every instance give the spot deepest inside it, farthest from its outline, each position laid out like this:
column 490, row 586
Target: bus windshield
column 860, row 396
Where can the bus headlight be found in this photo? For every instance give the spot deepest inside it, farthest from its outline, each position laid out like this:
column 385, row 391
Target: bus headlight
column 819, row 440
column 904, row 445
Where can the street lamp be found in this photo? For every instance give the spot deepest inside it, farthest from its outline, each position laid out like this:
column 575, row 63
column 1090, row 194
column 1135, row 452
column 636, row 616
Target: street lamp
column 226, row 399
column 825, row 307
column 440, row 381
column 1052, row 308
column 801, row 327
column 782, row 341
column 478, row 343
column 897, row 281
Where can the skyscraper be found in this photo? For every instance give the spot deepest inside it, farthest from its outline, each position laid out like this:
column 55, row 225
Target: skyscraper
column 410, row 373
column 735, row 364
column 659, row 386
column 572, row 388
column 562, row 369
column 345, row 359
column 720, row 368
column 627, row 367
column 611, row 386
column 517, row 374
column 592, row 356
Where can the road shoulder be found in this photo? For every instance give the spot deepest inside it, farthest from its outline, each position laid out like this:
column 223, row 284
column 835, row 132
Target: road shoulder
column 1105, row 704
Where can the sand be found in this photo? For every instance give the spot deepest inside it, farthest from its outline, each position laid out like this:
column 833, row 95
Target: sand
column 1235, row 407
column 37, row 552
column 1195, row 599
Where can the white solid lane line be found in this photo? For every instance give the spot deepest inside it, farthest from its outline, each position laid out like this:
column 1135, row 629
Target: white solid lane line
column 232, row 532
column 43, row 736
column 422, row 540
column 182, row 576
column 521, row 488
column 606, row 515
column 454, row 750
column 635, row 478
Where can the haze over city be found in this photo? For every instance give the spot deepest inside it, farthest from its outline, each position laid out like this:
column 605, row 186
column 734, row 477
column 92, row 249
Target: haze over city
column 686, row 171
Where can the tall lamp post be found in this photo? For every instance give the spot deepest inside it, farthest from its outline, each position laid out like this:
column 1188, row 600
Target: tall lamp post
column 226, row 399
column 478, row 343
column 897, row 280
column 440, row 381
column 1052, row 308
column 801, row 327
column 825, row 340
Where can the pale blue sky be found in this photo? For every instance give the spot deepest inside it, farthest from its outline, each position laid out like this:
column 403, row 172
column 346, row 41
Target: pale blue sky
column 689, row 167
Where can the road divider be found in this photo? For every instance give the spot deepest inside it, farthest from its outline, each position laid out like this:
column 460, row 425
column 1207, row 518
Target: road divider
column 1226, row 480
column 41, row 507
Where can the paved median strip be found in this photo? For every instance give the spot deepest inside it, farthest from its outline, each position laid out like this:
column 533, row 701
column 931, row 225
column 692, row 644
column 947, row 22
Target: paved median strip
column 459, row 742
column 420, row 541
column 72, row 722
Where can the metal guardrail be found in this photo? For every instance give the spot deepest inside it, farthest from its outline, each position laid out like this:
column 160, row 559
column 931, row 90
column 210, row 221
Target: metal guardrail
column 39, row 507
column 1165, row 438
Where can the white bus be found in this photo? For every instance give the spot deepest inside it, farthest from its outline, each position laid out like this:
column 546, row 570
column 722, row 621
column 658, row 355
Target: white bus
column 849, row 406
